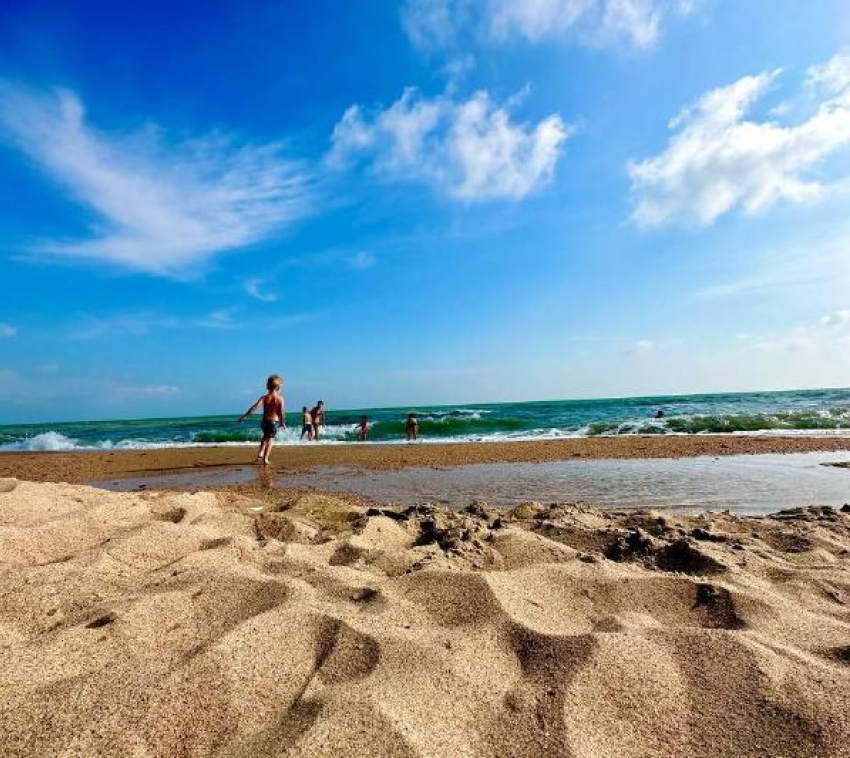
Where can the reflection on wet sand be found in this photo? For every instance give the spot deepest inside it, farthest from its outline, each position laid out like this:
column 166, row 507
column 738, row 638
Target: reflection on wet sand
column 746, row 484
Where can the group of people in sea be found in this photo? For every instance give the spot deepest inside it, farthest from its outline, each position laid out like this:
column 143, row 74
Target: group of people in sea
column 312, row 419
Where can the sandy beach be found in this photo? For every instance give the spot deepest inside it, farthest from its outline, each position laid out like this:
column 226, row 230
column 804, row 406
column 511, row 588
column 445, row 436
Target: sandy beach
column 100, row 465
column 212, row 623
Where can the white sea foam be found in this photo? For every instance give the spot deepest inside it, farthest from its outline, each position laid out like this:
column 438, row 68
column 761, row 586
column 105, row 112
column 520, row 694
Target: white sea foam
column 344, row 434
column 46, row 441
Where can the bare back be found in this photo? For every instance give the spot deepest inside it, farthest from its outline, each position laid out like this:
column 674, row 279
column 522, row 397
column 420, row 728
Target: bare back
column 272, row 407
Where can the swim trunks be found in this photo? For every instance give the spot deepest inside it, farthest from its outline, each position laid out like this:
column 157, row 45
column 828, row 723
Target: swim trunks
column 269, row 428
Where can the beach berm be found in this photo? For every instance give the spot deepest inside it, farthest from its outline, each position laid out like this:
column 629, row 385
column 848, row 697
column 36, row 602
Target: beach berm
column 87, row 466
column 210, row 623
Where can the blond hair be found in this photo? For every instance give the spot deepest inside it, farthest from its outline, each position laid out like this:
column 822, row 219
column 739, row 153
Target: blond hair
column 274, row 382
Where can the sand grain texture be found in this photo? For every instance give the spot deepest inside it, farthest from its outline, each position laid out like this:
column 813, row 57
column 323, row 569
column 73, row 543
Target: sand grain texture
column 176, row 624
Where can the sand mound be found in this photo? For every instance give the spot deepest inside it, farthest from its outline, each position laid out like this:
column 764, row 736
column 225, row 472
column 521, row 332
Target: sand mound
column 175, row 624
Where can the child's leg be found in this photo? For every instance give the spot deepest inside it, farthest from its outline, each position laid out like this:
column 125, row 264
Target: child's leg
column 269, row 444
column 262, row 452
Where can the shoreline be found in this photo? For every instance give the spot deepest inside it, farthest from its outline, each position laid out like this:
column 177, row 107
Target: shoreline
column 87, row 466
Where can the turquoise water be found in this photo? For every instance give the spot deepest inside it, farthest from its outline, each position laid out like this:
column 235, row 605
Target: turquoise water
column 798, row 412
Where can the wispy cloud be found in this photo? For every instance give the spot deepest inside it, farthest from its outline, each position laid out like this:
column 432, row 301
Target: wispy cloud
column 217, row 319
column 161, row 206
column 144, row 390
column 469, row 149
column 439, row 24
column 7, row 330
column 141, row 324
column 720, row 160
column 830, row 334
column 254, row 287
column 15, row 385
column 819, row 266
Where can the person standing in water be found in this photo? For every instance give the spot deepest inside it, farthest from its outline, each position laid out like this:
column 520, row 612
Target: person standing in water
column 411, row 427
column 274, row 416
column 306, row 423
column 363, row 432
column 318, row 416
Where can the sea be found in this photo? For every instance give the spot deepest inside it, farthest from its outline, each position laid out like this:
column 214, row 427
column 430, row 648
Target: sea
column 825, row 411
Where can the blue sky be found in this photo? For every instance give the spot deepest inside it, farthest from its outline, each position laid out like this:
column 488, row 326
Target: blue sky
column 422, row 202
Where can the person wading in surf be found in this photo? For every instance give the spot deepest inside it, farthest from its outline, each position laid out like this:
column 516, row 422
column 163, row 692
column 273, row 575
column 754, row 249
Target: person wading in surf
column 318, row 415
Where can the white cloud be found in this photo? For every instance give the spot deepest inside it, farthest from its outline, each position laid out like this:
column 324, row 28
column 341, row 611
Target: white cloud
column 780, row 271
column 7, row 330
column 218, row 319
column 254, row 288
column 832, row 77
column 719, row 160
column 161, row 207
column 140, row 324
column 435, row 24
column 469, row 149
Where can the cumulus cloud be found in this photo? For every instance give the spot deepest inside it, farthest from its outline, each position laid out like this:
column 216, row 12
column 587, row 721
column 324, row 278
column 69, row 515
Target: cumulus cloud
column 469, row 149
column 161, row 206
column 719, row 160
column 7, row 330
column 436, row 24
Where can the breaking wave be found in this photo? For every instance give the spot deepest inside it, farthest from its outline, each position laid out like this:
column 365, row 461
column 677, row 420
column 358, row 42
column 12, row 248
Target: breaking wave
column 803, row 412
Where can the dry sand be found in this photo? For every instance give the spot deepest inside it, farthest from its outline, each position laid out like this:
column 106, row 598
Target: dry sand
column 176, row 624
column 98, row 466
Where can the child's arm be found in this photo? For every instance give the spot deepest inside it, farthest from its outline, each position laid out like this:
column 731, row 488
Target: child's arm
column 283, row 413
column 250, row 410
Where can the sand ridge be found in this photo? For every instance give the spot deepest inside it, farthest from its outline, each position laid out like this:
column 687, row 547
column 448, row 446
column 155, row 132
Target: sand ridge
column 178, row 624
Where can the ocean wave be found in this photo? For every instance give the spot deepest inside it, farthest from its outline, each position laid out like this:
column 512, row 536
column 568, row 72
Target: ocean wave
column 457, row 425
column 53, row 441
column 832, row 419
column 44, row 442
column 444, row 417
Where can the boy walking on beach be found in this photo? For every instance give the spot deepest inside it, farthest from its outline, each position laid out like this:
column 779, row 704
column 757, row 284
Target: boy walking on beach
column 274, row 416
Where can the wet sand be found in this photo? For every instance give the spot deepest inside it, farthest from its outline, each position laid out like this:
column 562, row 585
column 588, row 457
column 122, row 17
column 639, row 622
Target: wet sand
column 176, row 624
column 92, row 466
